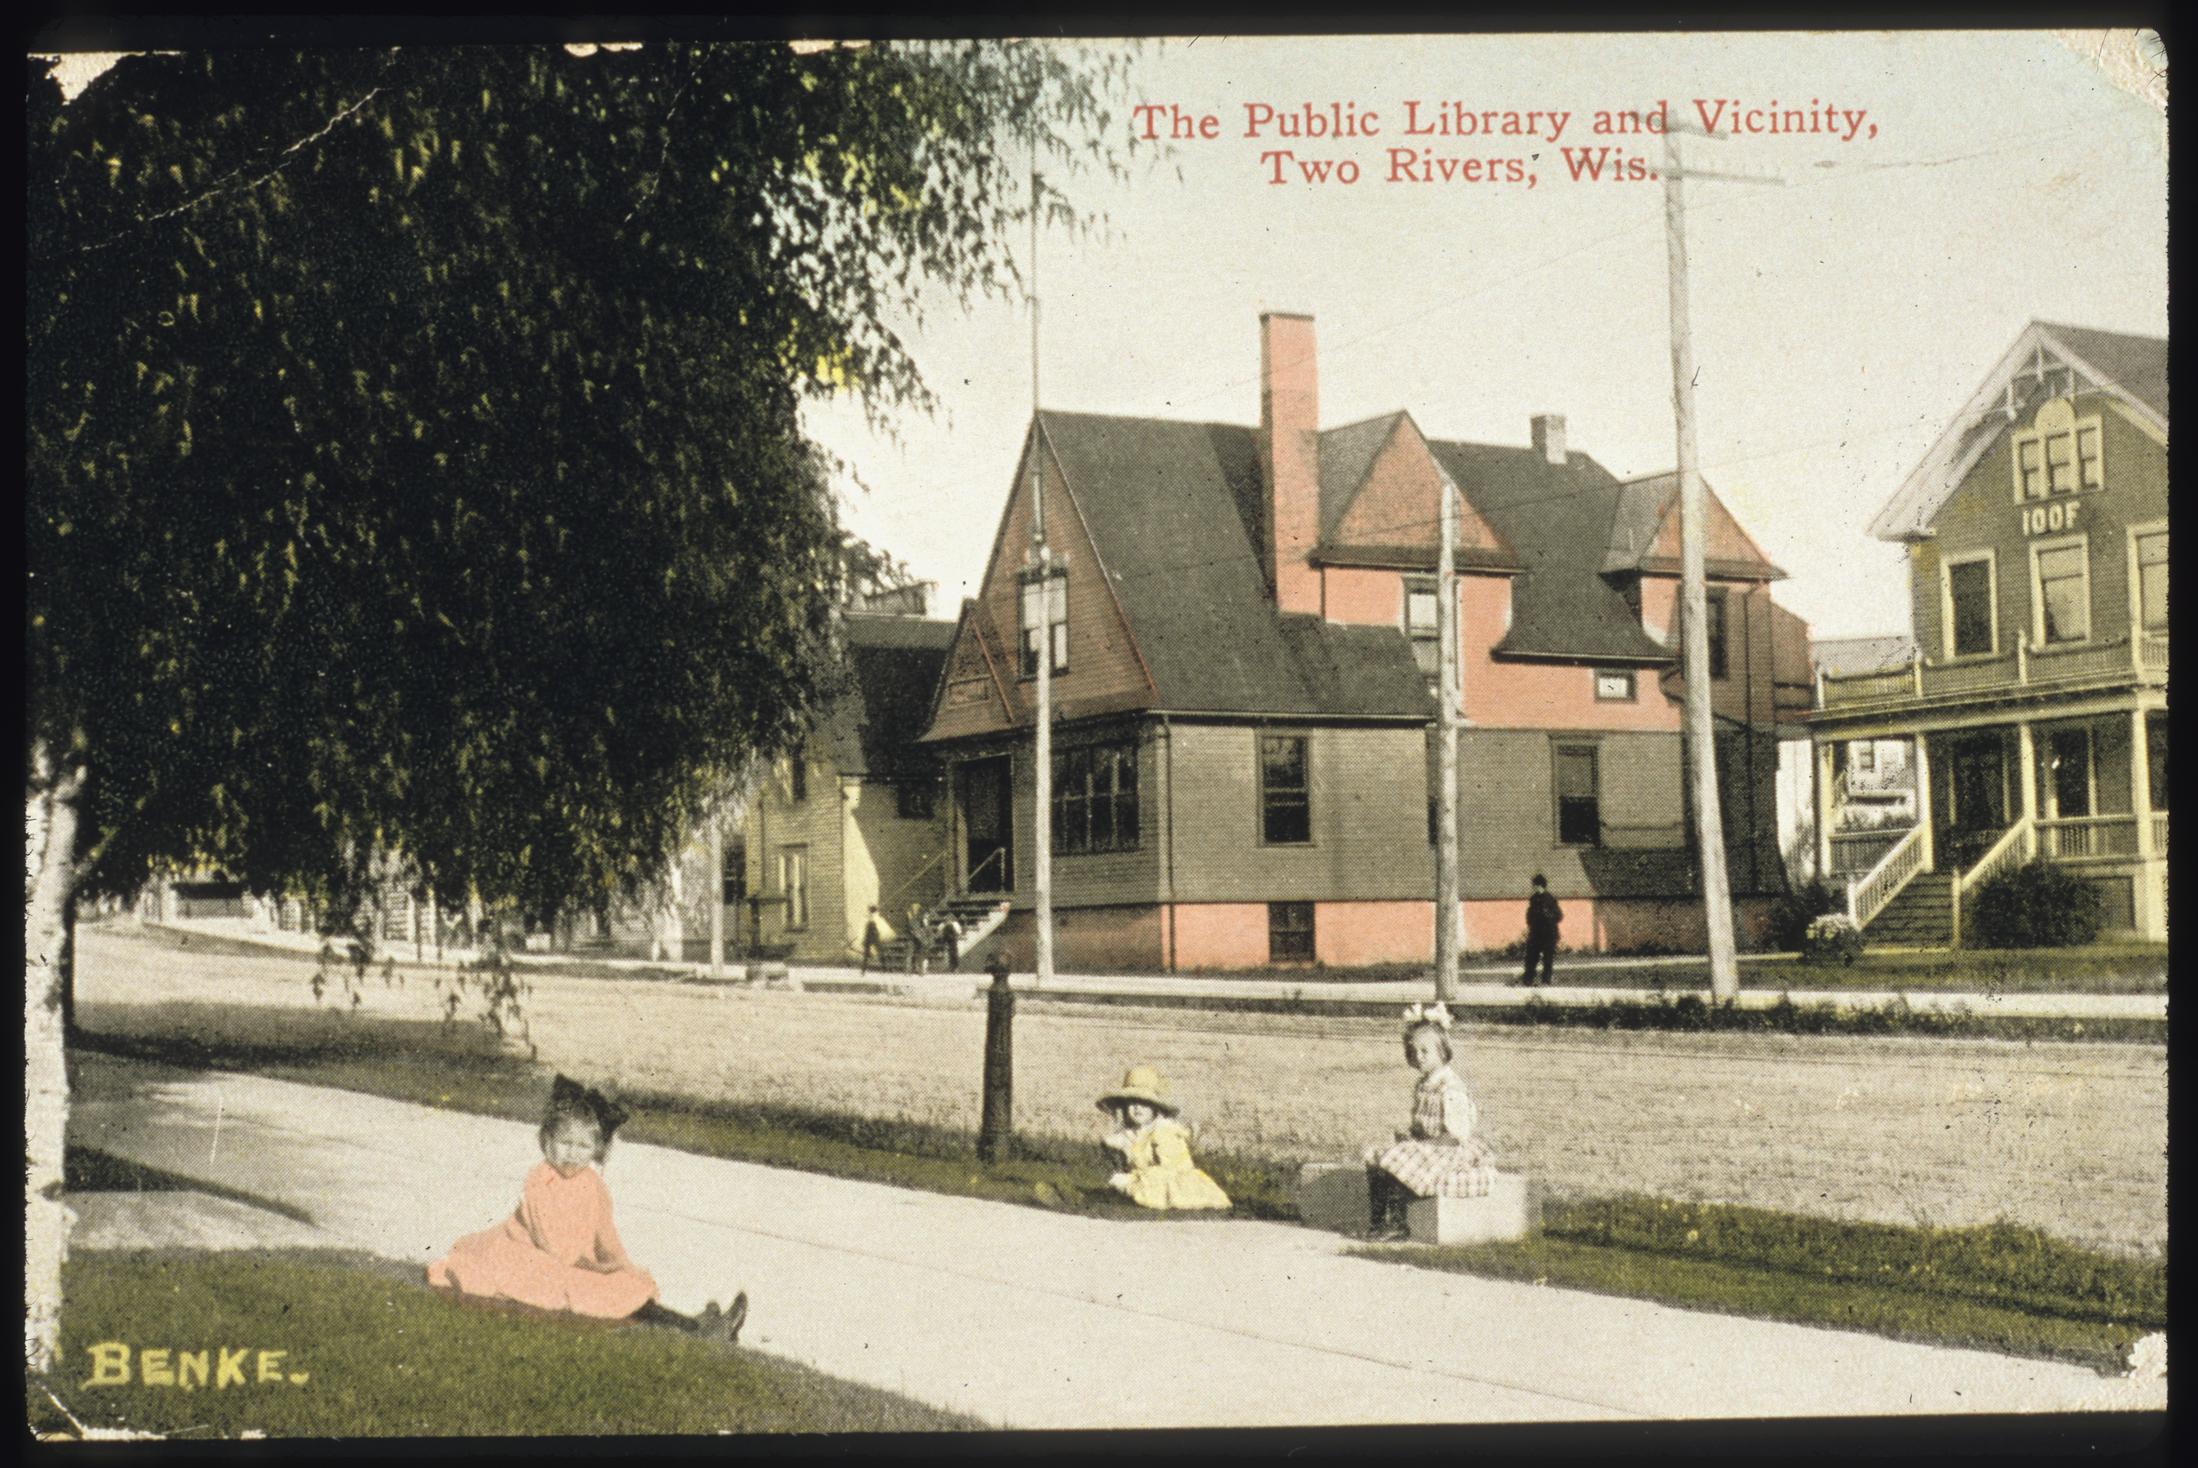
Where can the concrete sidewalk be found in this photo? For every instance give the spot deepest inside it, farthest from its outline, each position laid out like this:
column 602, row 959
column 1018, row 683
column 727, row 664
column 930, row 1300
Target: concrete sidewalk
column 1486, row 986
column 1030, row 1319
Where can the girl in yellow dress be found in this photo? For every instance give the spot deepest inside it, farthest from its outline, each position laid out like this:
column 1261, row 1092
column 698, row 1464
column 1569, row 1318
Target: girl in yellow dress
column 1154, row 1148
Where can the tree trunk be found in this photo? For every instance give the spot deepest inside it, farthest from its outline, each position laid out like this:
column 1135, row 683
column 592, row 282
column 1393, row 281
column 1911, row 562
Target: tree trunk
column 49, row 830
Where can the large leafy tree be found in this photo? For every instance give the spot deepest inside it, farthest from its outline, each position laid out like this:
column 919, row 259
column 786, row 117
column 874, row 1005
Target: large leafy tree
column 413, row 455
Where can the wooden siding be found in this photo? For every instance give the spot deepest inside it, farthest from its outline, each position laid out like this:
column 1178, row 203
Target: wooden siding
column 886, row 855
column 1104, row 674
column 776, row 822
column 1983, row 516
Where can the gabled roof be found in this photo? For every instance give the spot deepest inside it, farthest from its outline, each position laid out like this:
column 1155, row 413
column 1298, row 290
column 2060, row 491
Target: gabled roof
column 894, row 663
column 1175, row 512
column 1390, row 526
column 1557, row 519
column 2130, row 369
column 1647, row 513
column 1839, row 657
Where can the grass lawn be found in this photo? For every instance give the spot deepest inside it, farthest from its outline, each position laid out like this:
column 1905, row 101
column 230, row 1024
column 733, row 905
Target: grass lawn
column 1998, row 1288
column 381, row 1355
column 460, row 1067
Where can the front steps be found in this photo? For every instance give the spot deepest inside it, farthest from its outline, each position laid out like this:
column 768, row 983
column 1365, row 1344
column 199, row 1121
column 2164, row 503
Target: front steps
column 1922, row 916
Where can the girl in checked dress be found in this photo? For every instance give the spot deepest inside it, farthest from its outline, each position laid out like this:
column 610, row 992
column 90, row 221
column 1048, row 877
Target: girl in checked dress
column 1440, row 1156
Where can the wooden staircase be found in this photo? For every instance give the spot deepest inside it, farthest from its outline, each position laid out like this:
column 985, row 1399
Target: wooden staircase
column 978, row 917
column 1921, row 916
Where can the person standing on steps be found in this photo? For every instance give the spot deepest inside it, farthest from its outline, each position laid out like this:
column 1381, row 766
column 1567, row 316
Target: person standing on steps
column 1543, row 916
column 950, row 936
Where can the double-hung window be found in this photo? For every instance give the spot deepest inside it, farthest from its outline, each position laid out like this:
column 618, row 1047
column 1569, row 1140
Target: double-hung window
column 2062, row 581
column 1579, row 796
column 1422, row 610
column 1971, row 607
column 793, row 884
column 1285, row 790
column 1095, row 799
column 2151, row 556
column 1044, row 619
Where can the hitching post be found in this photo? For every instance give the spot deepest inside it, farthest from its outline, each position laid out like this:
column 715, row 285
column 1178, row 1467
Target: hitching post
column 997, row 1130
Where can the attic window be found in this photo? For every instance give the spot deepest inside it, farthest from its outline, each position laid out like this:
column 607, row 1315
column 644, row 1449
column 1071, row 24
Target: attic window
column 2061, row 454
column 1055, row 599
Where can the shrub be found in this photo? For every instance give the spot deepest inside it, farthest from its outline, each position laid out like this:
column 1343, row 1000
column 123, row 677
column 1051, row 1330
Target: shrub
column 2036, row 905
column 1832, row 936
column 1792, row 913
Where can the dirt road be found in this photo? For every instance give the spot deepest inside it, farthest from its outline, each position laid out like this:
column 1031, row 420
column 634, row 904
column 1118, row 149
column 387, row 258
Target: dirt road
column 2071, row 1138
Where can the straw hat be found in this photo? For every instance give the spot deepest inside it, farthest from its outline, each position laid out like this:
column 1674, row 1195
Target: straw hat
column 1141, row 1083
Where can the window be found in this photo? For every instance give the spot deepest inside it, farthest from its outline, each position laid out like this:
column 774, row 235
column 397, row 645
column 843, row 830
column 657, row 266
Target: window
column 1285, row 793
column 1715, row 622
column 914, row 798
column 2156, row 737
column 797, row 779
column 1971, row 607
column 1614, row 685
column 1289, row 932
column 2063, row 575
column 793, row 884
column 2152, row 580
column 1864, row 758
column 2061, row 454
column 1422, row 607
column 1055, row 598
column 1095, row 799
column 1579, row 803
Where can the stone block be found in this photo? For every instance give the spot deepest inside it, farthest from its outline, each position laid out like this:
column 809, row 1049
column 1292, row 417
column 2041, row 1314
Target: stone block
column 1509, row 1211
column 1332, row 1195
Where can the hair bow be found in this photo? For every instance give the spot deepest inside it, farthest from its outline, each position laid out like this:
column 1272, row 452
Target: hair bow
column 1436, row 1014
column 566, row 1093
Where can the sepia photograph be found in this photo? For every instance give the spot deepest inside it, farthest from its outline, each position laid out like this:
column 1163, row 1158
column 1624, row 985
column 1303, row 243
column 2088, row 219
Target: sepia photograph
column 742, row 732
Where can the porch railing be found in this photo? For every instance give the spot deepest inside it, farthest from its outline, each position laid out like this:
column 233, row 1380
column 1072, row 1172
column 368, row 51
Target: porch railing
column 2142, row 655
column 1855, row 852
column 1873, row 891
column 2015, row 843
column 2088, row 838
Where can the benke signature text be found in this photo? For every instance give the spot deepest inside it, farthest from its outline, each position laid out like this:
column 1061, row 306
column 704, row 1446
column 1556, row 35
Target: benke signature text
column 215, row 1368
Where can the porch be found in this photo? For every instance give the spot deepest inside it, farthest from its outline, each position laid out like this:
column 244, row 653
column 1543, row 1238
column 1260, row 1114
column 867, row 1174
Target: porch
column 2088, row 791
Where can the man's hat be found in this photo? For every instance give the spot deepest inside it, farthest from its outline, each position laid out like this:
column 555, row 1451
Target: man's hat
column 1141, row 1083
column 1540, row 880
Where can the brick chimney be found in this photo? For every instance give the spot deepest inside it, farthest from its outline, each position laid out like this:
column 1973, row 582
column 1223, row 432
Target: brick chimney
column 1289, row 453
column 1549, row 436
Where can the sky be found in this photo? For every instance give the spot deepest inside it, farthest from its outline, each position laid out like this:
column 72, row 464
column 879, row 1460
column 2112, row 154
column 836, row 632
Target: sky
column 1840, row 320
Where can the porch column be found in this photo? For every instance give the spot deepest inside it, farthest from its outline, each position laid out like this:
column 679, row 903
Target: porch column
column 1921, row 764
column 2140, row 781
column 1824, row 811
column 2026, row 770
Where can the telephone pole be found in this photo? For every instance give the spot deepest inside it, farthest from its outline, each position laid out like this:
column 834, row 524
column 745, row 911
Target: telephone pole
column 1446, row 751
column 1041, row 558
column 1694, row 656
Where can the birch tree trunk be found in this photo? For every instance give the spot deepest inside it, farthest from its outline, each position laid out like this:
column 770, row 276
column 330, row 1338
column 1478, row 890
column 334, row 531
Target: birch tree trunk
column 49, row 831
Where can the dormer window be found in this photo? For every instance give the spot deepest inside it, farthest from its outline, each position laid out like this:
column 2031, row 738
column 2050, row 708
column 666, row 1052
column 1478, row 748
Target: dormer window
column 2061, row 454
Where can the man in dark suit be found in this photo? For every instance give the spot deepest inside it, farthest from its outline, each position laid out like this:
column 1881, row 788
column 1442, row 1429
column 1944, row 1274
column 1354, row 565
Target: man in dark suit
column 1543, row 916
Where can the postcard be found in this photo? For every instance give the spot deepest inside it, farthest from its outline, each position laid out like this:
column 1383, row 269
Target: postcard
column 831, row 735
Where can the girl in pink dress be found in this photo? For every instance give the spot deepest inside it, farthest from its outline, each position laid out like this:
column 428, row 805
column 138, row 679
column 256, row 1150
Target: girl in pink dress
column 559, row 1250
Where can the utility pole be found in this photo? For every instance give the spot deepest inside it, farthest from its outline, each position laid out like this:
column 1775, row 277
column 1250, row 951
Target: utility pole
column 1694, row 662
column 1041, row 558
column 717, row 891
column 1446, row 752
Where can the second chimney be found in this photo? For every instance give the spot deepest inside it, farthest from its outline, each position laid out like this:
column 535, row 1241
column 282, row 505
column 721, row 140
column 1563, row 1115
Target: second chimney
column 1289, row 423
column 1549, row 436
